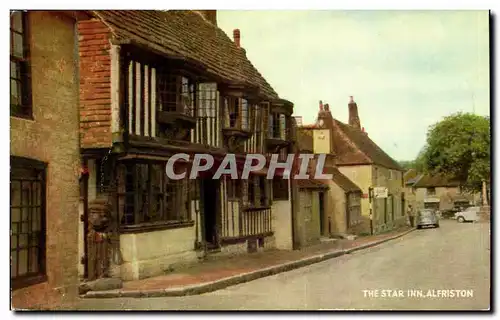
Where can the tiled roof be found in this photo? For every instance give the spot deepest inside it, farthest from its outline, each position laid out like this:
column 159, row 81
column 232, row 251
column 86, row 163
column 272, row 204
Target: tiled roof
column 436, row 180
column 411, row 176
column 411, row 182
column 355, row 147
column 186, row 34
column 341, row 180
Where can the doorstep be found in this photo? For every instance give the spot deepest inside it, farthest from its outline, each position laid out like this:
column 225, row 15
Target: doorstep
column 208, row 276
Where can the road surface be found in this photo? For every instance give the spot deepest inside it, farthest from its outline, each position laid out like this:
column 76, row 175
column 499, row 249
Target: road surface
column 416, row 272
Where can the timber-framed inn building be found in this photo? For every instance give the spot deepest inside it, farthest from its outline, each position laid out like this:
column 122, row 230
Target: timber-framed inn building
column 157, row 83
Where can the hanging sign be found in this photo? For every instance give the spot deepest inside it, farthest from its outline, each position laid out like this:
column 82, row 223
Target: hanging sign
column 380, row 192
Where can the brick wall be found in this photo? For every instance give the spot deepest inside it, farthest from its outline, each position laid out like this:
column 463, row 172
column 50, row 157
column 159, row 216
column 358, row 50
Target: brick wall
column 95, row 85
column 52, row 137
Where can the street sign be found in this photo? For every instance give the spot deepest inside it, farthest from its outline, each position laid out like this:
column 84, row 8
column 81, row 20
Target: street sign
column 380, row 192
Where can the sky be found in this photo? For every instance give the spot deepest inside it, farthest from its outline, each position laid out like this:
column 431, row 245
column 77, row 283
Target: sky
column 405, row 69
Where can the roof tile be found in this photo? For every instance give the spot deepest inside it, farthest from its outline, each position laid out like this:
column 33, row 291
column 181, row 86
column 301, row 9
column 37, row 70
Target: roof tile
column 185, row 33
column 355, row 147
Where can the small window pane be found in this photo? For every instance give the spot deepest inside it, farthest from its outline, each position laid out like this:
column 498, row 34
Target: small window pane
column 17, row 45
column 36, row 223
column 13, row 264
column 14, row 228
column 16, row 21
column 34, row 260
column 15, row 199
column 25, row 213
column 15, row 214
column 23, row 240
column 23, row 261
column 35, row 237
column 13, row 241
column 14, row 70
column 15, row 93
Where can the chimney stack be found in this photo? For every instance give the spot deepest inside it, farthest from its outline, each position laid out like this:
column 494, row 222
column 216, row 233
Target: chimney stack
column 353, row 114
column 236, row 37
column 327, row 107
column 209, row 15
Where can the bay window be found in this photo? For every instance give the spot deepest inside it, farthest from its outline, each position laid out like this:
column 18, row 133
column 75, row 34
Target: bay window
column 147, row 195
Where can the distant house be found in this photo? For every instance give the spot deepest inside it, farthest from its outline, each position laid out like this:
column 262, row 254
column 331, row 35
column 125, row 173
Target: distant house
column 364, row 163
column 438, row 191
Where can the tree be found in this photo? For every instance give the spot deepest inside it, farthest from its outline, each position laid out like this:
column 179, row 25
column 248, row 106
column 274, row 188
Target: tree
column 419, row 163
column 459, row 147
column 406, row 164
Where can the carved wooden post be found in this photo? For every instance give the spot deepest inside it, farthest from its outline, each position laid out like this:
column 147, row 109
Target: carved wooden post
column 98, row 238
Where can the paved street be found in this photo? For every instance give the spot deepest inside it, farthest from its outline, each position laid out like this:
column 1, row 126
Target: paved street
column 453, row 257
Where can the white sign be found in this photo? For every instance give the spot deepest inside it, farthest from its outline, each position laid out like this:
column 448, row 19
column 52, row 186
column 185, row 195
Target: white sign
column 380, row 192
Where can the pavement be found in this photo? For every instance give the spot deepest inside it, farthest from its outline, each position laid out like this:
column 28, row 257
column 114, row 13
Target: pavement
column 428, row 263
column 220, row 272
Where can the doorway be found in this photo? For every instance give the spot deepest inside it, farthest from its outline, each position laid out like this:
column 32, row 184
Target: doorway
column 209, row 196
column 322, row 213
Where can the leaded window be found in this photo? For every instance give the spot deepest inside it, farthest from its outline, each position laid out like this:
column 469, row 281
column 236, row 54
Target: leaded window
column 149, row 196
column 27, row 216
column 20, row 95
column 176, row 93
column 237, row 113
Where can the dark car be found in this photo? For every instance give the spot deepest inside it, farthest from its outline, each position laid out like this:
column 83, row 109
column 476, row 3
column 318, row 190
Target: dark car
column 427, row 217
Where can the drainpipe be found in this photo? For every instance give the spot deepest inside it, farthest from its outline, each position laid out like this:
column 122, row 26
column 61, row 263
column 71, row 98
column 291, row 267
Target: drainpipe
column 347, row 213
column 292, row 198
column 85, row 219
column 371, row 208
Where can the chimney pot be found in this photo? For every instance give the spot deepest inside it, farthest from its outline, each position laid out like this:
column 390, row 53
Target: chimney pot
column 353, row 114
column 327, row 107
column 236, row 37
column 320, row 105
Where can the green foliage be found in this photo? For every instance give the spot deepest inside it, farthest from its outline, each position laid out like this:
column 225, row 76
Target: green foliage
column 459, row 146
column 420, row 163
column 407, row 165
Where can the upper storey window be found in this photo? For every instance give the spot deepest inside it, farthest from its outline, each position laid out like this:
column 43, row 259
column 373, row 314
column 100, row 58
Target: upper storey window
column 177, row 94
column 20, row 95
column 238, row 113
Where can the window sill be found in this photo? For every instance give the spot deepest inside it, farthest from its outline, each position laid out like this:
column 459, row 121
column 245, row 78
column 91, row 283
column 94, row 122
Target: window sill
column 248, row 209
column 158, row 226
column 27, row 281
column 240, row 239
column 281, row 199
column 23, row 117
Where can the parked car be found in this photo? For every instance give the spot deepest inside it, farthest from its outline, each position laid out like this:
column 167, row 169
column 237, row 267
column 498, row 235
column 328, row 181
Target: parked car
column 427, row 217
column 469, row 214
